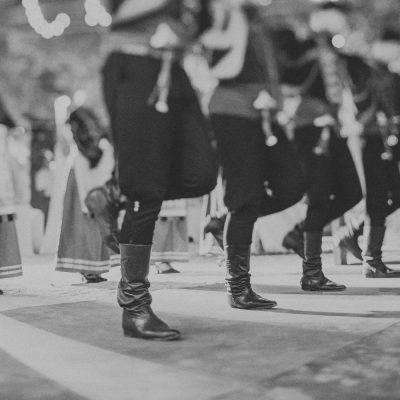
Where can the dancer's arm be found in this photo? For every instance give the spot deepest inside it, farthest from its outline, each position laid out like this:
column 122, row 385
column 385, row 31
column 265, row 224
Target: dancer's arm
column 236, row 35
column 131, row 10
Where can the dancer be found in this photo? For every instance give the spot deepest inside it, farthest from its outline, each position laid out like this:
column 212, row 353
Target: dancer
column 260, row 167
column 10, row 259
column 161, row 140
column 326, row 82
column 380, row 159
column 81, row 248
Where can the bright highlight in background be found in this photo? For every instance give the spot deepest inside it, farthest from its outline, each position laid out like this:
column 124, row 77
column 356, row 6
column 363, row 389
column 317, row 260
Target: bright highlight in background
column 38, row 22
column 338, row 41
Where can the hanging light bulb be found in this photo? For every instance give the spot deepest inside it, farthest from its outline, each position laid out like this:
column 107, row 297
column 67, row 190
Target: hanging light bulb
column 39, row 23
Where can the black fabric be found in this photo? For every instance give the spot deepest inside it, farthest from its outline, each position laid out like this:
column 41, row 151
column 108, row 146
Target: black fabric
column 260, row 180
column 239, row 225
column 161, row 156
column 139, row 222
column 382, row 182
column 250, row 167
column 333, row 186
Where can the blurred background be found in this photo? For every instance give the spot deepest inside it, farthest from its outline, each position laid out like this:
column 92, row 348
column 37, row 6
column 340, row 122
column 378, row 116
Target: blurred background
column 51, row 52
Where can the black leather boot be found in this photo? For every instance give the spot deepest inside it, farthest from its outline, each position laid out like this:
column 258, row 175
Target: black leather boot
column 104, row 204
column 294, row 240
column 347, row 238
column 313, row 279
column 373, row 266
column 1, row 292
column 216, row 228
column 240, row 293
column 138, row 319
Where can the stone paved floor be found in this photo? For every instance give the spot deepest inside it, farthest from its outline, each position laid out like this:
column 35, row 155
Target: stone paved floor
column 60, row 339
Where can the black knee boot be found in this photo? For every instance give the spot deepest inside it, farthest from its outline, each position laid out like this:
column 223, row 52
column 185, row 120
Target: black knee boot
column 138, row 319
column 373, row 265
column 1, row 292
column 240, row 293
column 313, row 278
column 294, row 240
column 347, row 237
column 216, row 228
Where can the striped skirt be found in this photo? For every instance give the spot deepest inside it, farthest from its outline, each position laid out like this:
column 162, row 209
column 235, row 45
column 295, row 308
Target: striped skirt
column 81, row 248
column 10, row 257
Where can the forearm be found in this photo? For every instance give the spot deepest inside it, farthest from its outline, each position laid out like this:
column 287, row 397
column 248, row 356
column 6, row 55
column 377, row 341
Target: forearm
column 135, row 9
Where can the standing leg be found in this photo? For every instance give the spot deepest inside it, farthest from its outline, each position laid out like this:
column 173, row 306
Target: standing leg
column 319, row 172
column 145, row 150
column 240, row 143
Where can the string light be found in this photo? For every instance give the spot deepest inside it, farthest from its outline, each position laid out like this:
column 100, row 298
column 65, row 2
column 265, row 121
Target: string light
column 96, row 14
column 39, row 23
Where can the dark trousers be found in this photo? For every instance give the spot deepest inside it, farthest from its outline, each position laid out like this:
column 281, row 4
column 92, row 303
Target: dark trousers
column 333, row 186
column 259, row 180
column 161, row 156
column 382, row 182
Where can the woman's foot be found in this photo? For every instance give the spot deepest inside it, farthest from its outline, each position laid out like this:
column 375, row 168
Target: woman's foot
column 1, row 292
column 93, row 278
column 165, row 268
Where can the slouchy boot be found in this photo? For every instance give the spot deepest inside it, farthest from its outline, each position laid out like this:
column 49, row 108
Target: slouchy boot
column 373, row 266
column 240, row 293
column 138, row 319
column 313, row 279
column 347, row 238
column 294, row 240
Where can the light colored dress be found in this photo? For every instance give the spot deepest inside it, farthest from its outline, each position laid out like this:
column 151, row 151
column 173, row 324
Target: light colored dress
column 10, row 258
column 81, row 248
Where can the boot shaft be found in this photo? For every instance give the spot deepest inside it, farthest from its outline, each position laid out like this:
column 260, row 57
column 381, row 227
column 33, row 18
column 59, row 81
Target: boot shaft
column 373, row 237
column 135, row 262
column 133, row 289
column 312, row 263
column 237, row 260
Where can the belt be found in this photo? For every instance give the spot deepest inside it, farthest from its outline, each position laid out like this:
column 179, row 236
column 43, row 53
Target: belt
column 8, row 218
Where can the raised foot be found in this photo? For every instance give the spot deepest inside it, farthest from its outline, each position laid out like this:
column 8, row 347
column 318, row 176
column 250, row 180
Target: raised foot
column 351, row 245
column 293, row 241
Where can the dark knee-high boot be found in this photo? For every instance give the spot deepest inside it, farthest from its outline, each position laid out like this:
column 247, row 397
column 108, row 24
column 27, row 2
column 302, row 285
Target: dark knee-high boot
column 240, row 293
column 313, row 278
column 293, row 240
column 138, row 318
column 216, row 228
column 347, row 237
column 104, row 205
column 373, row 266
column 1, row 292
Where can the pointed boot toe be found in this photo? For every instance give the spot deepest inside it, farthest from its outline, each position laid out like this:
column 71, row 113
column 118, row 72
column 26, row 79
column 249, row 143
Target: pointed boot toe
column 147, row 326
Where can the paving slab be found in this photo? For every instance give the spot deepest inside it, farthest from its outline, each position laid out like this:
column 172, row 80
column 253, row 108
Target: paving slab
column 62, row 338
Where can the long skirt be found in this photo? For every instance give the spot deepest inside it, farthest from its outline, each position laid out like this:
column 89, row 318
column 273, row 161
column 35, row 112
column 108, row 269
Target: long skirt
column 170, row 241
column 81, row 248
column 10, row 257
